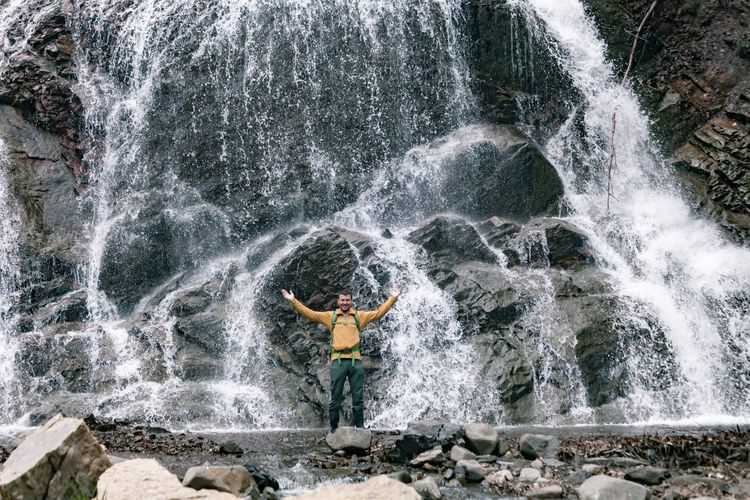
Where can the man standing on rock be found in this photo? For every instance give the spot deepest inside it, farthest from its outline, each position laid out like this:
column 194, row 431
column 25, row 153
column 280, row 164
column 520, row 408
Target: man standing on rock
column 345, row 325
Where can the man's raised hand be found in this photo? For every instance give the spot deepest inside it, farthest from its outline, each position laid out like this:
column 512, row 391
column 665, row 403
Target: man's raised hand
column 287, row 294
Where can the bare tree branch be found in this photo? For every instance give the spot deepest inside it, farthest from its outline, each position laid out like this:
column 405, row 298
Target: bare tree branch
column 612, row 149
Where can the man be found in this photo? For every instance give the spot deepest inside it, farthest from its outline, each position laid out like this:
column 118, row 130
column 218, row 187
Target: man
column 345, row 325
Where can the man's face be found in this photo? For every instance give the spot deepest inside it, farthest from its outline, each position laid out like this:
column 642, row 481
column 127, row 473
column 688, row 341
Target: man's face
column 345, row 302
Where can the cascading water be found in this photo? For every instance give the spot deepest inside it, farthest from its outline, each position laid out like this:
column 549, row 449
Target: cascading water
column 221, row 125
column 667, row 263
column 10, row 269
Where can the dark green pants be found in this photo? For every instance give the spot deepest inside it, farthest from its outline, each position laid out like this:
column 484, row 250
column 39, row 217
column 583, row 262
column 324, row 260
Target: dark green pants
column 341, row 370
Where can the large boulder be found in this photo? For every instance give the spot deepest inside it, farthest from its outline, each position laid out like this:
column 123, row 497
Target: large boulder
column 150, row 480
column 234, row 479
column 601, row 487
column 422, row 436
column 464, row 266
column 61, row 459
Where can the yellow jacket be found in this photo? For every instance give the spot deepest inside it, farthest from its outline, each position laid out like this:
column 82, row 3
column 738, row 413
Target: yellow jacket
column 346, row 335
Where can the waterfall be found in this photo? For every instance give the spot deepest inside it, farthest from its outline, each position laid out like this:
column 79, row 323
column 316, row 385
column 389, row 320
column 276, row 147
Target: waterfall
column 10, row 274
column 226, row 135
column 668, row 263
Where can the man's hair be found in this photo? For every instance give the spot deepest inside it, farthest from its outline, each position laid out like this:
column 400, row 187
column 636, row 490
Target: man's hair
column 345, row 292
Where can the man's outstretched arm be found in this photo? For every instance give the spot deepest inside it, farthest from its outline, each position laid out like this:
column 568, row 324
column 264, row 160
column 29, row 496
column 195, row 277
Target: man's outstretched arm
column 368, row 316
column 316, row 316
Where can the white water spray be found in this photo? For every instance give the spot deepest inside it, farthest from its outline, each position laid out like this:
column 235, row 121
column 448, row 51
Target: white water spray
column 659, row 253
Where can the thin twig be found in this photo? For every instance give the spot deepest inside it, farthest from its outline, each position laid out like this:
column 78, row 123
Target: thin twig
column 635, row 40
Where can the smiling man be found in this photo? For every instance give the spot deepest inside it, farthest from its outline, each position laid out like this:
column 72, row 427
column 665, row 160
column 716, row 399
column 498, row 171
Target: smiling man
column 345, row 325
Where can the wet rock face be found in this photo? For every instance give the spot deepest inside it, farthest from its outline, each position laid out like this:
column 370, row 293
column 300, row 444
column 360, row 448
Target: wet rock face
column 39, row 74
column 694, row 74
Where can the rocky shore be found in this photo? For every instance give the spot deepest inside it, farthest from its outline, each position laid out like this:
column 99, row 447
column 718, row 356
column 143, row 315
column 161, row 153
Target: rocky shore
column 427, row 460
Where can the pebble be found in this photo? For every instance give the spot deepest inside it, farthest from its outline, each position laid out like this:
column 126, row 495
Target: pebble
column 529, row 475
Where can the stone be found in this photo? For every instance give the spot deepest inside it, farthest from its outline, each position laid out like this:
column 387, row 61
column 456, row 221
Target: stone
column 529, row 475
column 434, row 456
column 402, row 476
column 229, row 478
column 551, row 491
column 262, row 478
column 592, row 468
column 481, row 438
column 534, row 446
column 601, row 487
column 422, row 436
column 61, row 459
column 650, row 476
column 150, row 480
column 427, row 489
column 459, row 453
column 448, row 474
column 230, row 448
column 376, row 488
column 499, row 479
column 470, row 471
column 537, row 464
column 349, row 439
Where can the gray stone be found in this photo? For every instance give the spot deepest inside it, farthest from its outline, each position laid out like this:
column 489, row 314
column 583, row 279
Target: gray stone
column 61, row 459
column 601, row 487
column 529, row 475
column 470, row 471
column 551, row 491
column 229, row 478
column 434, row 456
column 481, row 438
column 650, row 476
column 349, row 439
column 460, row 453
column 537, row 464
column 538, row 446
column 427, row 489
column 146, row 478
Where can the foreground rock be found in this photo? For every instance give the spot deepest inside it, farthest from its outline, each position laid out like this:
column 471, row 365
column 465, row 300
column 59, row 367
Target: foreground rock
column 604, row 487
column 62, row 459
column 481, row 438
column 231, row 478
column 349, row 439
column 428, row 489
column 150, row 480
column 377, row 488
